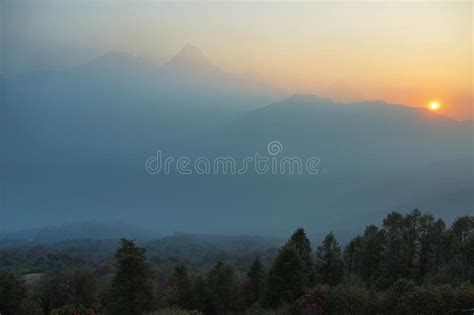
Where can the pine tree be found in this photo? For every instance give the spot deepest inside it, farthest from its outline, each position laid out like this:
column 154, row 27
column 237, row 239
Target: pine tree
column 181, row 283
column 255, row 286
column 352, row 255
column 370, row 252
column 12, row 294
column 329, row 263
column 132, row 290
column 392, row 264
column 300, row 241
column 430, row 239
column 285, row 282
column 201, row 296
column 462, row 228
column 461, row 257
column 222, row 287
column 411, row 227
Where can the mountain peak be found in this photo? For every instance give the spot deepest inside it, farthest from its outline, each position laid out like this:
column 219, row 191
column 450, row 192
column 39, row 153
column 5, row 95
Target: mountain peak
column 190, row 57
column 191, row 51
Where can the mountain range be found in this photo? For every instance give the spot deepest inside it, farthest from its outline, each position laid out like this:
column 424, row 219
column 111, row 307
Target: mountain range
column 76, row 142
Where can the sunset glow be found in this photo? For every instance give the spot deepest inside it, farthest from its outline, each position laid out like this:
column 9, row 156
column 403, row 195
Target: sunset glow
column 434, row 106
column 308, row 47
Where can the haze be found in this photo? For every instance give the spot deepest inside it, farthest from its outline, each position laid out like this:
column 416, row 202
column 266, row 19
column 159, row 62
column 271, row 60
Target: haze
column 406, row 53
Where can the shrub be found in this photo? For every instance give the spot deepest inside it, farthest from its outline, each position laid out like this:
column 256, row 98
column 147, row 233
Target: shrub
column 315, row 301
column 350, row 300
column 72, row 310
column 174, row 311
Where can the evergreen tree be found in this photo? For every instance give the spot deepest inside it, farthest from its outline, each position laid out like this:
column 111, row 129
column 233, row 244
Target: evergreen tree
column 132, row 290
column 222, row 287
column 12, row 294
column 300, row 241
column 285, row 282
column 466, row 259
column 410, row 233
column 52, row 291
column 201, row 296
column 462, row 228
column 461, row 257
column 352, row 255
column 255, row 285
column 328, row 261
column 430, row 240
column 181, row 283
column 392, row 265
column 370, row 252
column 84, row 288
column 73, row 288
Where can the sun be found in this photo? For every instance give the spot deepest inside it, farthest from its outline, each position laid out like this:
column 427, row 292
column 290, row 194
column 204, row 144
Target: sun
column 434, row 105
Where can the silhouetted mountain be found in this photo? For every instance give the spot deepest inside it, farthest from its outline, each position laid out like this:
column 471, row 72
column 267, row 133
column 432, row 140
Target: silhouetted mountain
column 78, row 141
column 190, row 60
column 79, row 231
column 373, row 130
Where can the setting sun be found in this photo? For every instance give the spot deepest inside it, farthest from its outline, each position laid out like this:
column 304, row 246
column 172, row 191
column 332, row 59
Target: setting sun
column 434, row 106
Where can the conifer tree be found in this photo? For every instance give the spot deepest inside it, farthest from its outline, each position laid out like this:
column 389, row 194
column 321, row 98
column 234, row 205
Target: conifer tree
column 222, row 287
column 132, row 290
column 370, row 252
column 255, row 286
column 285, row 281
column 329, row 263
column 181, row 283
column 201, row 295
column 392, row 264
column 12, row 293
column 300, row 241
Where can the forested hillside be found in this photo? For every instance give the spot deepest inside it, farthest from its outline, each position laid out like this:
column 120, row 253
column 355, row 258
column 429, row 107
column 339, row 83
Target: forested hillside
column 412, row 264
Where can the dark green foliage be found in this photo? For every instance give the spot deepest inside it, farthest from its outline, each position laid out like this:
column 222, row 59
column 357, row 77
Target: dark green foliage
column 12, row 293
column 461, row 249
column 132, row 290
column 352, row 300
column 72, row 310
column 329, row 264
column 286, row 279
column 202, row 300
column 52, row 292
column 180, row 285
column 255, row 286
column 222, row 288
column 369, row 255
column 314, row 301
column 336, row 300
column 413, row 264
column 404, row 297
column 57, row 289
column 415, row 246
column 393, row 264
column 353, row 256
column 300, row 241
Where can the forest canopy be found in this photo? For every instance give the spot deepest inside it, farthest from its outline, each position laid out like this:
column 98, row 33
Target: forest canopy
column 412, row 264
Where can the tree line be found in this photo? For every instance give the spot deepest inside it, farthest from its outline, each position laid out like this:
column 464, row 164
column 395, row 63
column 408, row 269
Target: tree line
column 412, row 264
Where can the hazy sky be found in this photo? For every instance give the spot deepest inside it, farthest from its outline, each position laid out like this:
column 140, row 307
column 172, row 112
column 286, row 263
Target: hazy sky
column 402, row 52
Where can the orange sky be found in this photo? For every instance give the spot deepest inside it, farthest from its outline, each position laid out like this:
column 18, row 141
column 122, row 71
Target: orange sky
column 402, row 52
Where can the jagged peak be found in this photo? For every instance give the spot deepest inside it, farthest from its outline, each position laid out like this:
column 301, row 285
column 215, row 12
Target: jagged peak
column 190, row 57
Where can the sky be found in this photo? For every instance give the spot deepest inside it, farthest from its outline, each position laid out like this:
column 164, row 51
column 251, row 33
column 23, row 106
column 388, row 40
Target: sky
column 406, row 52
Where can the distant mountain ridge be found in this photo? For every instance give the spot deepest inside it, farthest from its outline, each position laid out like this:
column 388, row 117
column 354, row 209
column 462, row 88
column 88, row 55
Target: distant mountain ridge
column 77, row 231
column 78, row 141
